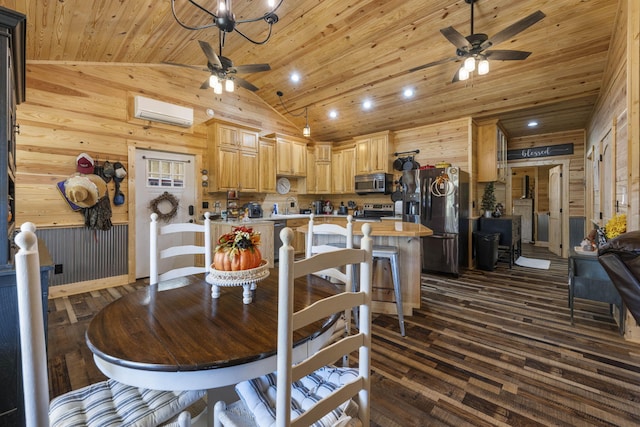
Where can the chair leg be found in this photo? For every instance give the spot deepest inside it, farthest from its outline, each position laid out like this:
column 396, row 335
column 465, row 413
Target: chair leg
column 571, row 307
column 396, row 287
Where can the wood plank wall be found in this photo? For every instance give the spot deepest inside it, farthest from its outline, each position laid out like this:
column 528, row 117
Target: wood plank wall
column 451, row 142
column 75, row 108
column 611, row 112
column 576, row 163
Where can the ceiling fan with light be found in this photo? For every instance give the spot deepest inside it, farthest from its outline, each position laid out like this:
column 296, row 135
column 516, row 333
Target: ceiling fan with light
column 474, row 48
column 223, row 72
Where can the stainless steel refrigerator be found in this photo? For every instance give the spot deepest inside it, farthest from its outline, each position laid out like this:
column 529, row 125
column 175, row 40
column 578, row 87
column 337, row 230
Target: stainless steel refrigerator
column 443, row 206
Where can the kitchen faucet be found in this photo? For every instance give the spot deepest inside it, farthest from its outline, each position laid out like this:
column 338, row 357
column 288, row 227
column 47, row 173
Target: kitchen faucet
column 290, row 202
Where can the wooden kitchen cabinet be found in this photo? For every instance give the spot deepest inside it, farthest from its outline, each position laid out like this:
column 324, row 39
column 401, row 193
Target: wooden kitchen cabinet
column 492, row 152
column 319, row 177
column 299, row 242
column 291, row 156
column 348, row 173
column 337, row 181
column 310, row 182
column 233, row 155
column 267, row 161
column 343, row 165
column 373, row 153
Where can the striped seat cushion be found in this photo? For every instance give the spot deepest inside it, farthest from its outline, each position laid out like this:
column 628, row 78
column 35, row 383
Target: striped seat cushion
column 110, row 403
column 259, row 396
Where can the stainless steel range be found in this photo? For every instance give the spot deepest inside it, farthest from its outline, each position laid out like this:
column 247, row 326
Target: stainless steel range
column 377, row 210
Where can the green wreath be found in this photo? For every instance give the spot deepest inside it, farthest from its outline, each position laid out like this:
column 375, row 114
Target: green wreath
column 165, row 216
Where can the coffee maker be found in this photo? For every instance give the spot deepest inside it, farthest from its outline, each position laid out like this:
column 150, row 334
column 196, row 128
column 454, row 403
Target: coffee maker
column 318, row 207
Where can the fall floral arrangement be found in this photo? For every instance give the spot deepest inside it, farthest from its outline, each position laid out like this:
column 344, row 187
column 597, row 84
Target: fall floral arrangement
column 238, row 250
column 616, row 226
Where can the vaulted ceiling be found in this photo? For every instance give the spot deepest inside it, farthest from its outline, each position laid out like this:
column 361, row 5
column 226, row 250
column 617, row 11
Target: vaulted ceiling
column 348, row 51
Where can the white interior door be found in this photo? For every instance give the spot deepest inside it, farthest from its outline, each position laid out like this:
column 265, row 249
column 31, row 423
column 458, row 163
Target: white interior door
column 555, row 209
column 157, row 172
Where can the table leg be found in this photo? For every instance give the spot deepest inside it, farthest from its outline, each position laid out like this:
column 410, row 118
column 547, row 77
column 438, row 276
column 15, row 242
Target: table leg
column 246, row 293
column 215, row 291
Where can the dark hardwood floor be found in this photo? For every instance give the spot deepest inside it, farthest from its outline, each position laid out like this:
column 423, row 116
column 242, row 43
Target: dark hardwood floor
column 485, row 349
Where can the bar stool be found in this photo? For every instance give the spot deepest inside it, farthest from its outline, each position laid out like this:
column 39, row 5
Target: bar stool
column 391, row 253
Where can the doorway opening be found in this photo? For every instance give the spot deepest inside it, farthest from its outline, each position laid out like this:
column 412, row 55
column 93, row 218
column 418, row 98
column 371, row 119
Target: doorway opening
column 534, row 190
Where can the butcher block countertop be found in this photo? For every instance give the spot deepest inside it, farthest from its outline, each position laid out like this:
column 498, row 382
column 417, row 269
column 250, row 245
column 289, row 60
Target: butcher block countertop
column 388, row 229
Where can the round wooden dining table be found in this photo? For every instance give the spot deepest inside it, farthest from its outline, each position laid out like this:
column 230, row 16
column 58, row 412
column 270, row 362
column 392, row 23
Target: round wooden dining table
column 175, row 336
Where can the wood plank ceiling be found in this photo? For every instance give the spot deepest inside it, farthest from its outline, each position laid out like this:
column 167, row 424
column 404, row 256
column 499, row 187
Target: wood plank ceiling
column 348, row 51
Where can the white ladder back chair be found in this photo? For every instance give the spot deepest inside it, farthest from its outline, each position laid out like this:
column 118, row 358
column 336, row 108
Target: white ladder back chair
column 97, row 405
column 346, row 241
column 322, row 393
column 157, row 254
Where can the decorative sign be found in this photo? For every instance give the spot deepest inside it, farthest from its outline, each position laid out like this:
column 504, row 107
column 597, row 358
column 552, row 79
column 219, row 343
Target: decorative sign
column 537, row 152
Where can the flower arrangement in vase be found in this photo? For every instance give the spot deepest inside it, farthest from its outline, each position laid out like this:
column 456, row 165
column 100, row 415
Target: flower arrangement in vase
column 237, row 250
column 488, row 199
column 616, row 226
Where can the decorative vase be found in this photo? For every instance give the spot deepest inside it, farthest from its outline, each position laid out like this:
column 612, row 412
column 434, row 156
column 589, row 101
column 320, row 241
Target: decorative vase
column 487, row 214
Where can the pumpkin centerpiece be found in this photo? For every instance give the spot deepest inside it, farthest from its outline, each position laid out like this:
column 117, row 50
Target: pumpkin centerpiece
column 237, row 250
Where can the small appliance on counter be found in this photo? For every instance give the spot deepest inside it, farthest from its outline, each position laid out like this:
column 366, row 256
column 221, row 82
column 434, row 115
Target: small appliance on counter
column 342, row 209
column 254, row 209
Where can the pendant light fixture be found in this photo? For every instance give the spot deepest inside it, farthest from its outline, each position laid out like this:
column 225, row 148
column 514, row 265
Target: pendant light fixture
column 225, row 20
column 306, row 131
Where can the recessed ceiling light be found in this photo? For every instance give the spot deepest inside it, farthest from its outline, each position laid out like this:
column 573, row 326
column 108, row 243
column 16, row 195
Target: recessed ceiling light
column 333, row 114
column 532, row 124
column 295, row 77
column 408, row 92
column 367, row 104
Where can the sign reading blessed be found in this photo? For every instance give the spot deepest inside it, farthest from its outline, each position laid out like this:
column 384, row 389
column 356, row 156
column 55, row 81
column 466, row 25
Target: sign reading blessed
column 536, row 152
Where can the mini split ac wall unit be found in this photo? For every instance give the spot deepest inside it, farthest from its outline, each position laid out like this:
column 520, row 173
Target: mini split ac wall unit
column 163, row 112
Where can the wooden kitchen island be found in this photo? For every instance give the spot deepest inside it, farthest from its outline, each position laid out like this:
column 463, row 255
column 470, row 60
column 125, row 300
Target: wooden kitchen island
column 406, row 236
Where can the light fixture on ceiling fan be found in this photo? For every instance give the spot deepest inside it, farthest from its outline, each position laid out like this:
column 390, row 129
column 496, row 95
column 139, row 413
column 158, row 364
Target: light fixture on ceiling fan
column 475, row 49
column 225, row 20
column 223, row 74
column 306, row 131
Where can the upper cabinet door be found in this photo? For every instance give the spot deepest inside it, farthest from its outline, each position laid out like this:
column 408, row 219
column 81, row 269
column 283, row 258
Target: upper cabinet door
column 492, row 153
column 373, row 153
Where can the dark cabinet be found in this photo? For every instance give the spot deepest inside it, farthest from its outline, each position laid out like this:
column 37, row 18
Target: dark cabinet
column 11, row 404
column 510, row 236
column 12, row 82
column 12, row 93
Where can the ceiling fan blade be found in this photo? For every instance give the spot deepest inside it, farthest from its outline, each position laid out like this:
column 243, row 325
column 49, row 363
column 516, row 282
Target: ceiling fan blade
column 210, row 54
column 205, row 84
column 506, row 55
column 513, row 29
column 457, row 39
column 195, row 67
column 431, row 64
column 252, row 68
column 245, row 84
column 456, row 76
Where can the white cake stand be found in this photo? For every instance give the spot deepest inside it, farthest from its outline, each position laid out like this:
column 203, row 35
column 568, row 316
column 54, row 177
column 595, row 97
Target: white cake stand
column 246, row 278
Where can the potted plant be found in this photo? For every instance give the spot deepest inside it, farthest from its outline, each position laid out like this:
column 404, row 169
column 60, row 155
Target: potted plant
column 488, row 200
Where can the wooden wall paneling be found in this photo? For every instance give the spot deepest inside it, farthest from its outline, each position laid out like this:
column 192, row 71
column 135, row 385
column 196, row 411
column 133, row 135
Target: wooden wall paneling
column 611, row 103
column 74, row 108
column 542, row 188
column 621, row 173
column 447, row 141
column 576, row 162
column 633, row 107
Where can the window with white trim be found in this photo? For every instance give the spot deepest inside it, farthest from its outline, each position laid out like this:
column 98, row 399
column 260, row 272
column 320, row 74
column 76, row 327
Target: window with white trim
column 165, row 173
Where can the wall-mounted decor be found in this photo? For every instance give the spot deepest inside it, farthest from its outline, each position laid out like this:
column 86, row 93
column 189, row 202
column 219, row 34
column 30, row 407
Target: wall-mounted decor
column 537, row 152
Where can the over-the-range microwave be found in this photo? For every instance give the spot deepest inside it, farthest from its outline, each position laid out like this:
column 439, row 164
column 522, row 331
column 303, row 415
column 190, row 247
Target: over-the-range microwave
column 375, row 183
